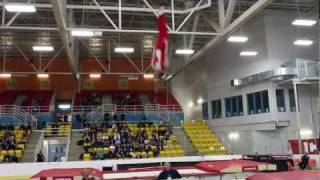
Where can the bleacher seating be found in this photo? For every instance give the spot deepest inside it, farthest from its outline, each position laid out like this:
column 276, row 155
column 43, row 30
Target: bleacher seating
column 12, row 142
column 202, row 138
column 81, row 98
column 60, row 129
column 136, row 140
column 41, row 98
column 88, row 98
column 161, row 98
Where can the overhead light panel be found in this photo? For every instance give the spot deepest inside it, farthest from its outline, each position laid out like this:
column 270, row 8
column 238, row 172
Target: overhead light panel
column 148, row 76
column 5, row 75
column 248, row 53
column 303, row 22
column 238, row 39
column 124, row 50
column 95, row 76
column 64, row 106
column 185, row 51
column 43, row 48
column 303, row 42
column 200, row 101
column 85, row 33
column 18, row 7
column 42, row 75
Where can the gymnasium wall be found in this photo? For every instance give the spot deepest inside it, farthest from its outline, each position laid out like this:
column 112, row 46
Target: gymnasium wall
column 66, row 84
column 257, row 133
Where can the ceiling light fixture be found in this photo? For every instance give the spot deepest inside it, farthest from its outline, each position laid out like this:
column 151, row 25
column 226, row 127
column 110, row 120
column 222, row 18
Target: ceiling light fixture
column 42, row 48
column 248, row 53
column 200, row 100
column 303, row 22
column 303, row 42
column 18, row 7
column 85, row 33
column 148, row 76
column 95, row 76
column 185, row 51
column 5, row 75
column 124, row 50
column 238, row 39
column 42, row 75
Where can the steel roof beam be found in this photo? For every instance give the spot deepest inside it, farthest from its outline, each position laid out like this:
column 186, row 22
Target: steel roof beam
column 105, row 15
column 244, row 17
column 15, row 16
column 60, row 14
column 230, row 10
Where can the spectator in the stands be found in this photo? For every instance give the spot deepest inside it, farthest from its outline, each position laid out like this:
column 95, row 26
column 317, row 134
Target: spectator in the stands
column 122, row 117
column 115, row 117
column 169, row 173
column 40, row 157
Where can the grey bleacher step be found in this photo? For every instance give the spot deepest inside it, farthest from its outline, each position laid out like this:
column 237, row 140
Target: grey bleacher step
column 144, row 99
column 19, row 100
column 184, row 142
column 30, row 147
column 106, row 99
column 74, row 149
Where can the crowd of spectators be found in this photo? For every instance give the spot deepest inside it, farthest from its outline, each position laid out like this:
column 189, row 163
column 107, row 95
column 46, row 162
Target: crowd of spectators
column 12, row 142
column 125, row 99
column 93, row 99
column 124, row 140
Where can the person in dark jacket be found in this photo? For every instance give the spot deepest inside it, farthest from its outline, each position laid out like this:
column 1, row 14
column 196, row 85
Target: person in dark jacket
column 40, row 157
column 169, row 173
column 304, row 161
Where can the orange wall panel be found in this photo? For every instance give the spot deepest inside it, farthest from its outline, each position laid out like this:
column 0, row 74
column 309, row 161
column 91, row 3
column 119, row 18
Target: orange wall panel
column 66, row 85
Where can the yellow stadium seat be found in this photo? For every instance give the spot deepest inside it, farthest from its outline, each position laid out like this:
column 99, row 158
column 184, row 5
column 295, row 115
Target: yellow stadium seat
column 18, row 153
column 86, row 157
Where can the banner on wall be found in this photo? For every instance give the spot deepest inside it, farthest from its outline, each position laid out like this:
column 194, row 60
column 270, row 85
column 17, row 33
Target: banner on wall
column 11, row 83
column 87, row 84
column 44, row 84
column 123, row 84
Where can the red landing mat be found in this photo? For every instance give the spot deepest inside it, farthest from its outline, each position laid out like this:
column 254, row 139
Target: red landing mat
column 290, row 175
column 234, row 166
column 67, row 173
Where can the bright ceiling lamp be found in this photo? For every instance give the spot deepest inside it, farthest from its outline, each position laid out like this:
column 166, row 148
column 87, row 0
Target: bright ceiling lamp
column 185, row 51
column 85, row 33
column 303, row 22
column 148, row 76
column 43, row 48
column 303, row 42
column 95, row 76
column 5, row 75
column 248, row 53
column 82, row 33
column 42, row 75
column 64, row 106
column 238, row 39
column 16, row 7
column 200, row 100
column 124, row 50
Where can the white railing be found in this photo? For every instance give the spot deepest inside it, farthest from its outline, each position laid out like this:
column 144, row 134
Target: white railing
column 307, row 69
column 96, row 114
column 38, row 146
column 18, row 115
column 68, row 145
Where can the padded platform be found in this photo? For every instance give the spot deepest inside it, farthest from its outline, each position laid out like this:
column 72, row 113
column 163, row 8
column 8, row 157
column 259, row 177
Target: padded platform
column 290, row 175
column 235, row 166
column 153, row 172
